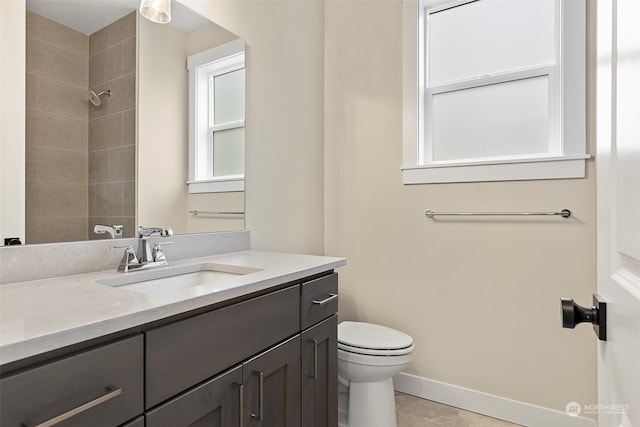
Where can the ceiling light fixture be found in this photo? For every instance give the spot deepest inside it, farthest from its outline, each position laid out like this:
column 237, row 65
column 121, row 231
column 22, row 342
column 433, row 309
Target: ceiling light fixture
column 158, row 11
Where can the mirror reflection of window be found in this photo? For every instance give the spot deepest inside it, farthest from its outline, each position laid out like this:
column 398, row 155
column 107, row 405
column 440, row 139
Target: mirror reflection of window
column 217, row 105
column 227, row 126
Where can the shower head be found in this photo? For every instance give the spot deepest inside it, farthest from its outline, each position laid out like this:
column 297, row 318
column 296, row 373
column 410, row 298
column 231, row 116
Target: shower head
column 96, row 98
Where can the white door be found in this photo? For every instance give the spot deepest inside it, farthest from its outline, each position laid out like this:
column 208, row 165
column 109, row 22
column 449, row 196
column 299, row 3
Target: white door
column 618, row 192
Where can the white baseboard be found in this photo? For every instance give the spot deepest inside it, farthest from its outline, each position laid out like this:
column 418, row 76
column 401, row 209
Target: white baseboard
column 490, row 405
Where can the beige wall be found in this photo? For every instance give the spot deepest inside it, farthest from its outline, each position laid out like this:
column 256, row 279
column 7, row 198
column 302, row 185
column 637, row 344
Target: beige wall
column 284, row 117
column 162, row 126
column 480, row 298
column 12, row 118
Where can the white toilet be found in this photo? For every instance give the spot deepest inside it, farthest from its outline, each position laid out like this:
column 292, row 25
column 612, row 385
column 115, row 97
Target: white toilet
column 368, row 356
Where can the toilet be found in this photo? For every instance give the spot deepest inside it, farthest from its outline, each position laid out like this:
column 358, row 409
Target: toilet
column 368, row 356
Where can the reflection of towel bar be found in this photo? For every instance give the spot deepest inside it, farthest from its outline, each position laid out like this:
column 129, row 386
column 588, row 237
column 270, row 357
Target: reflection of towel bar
column 564, row 213
column 196, row 212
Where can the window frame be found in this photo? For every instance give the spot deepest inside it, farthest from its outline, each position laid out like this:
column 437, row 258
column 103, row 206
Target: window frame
column 567, row 155
column 203, row 67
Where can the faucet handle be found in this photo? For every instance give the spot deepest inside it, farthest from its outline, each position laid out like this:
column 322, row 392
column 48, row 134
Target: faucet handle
column 128, row 258
column 158, row 253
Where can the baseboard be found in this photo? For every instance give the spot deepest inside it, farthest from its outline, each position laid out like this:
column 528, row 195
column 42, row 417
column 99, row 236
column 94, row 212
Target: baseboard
column 490, row 405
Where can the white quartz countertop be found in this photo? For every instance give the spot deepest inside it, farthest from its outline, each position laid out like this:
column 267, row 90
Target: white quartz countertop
column 44, row 315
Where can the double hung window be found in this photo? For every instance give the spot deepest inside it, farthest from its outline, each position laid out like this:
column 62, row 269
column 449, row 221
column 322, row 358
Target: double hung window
column 494, row 90
column 216, row 115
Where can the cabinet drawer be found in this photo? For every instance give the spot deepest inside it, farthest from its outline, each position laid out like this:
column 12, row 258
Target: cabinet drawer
column 187, row 352
column 217, row 402
column 98, row 387
column 319, row 299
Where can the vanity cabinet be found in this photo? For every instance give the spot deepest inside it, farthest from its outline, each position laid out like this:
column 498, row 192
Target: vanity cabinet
column 101, row 387
column 267, row 361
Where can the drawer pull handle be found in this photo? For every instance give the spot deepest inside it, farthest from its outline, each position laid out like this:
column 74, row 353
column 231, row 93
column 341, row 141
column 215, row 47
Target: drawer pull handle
column 327, row 300
column 260, row 414
column 314, row 376
column 111, row 393
column 240, row 402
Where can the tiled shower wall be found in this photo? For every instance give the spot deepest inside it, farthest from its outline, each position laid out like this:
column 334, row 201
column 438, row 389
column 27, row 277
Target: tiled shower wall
column 112, row 149
column 80, row 159
column 56, row 132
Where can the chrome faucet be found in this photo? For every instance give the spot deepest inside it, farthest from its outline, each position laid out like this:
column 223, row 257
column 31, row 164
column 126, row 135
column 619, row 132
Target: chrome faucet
column 149, row 257
column 115, row 231
column 150, row 231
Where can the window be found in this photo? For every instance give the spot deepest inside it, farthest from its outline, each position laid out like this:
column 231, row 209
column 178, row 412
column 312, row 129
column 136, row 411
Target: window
column 494, row 90
column 216, row 116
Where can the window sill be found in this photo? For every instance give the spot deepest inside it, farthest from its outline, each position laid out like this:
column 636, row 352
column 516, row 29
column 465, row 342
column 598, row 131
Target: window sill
column 511, row 170
column 220, row 185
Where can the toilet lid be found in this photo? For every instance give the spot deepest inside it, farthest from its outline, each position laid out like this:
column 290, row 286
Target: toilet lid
column 373, row 337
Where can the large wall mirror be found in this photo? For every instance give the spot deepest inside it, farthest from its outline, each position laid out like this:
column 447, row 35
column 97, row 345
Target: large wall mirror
column 107, row 122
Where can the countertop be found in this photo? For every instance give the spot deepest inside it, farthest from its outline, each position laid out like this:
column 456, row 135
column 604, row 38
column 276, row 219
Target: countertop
column 49, row 314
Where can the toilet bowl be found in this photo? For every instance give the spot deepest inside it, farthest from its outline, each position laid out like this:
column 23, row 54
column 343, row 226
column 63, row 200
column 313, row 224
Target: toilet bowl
column 368, row 356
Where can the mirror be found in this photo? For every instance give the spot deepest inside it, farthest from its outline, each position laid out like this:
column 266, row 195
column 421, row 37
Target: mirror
column 107, row 122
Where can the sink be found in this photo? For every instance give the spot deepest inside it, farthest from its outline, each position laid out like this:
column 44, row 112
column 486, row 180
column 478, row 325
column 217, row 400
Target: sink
column 178, row 282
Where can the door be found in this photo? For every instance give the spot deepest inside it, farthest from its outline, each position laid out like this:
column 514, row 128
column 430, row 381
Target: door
column 217, row 402
column 272, row 387
column 320, row 374
column 618, row 191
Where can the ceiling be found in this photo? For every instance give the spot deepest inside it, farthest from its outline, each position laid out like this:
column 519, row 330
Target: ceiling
column 88, row 16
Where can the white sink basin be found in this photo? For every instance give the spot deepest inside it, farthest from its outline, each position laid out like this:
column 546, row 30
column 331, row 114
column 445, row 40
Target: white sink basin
column 170, row 283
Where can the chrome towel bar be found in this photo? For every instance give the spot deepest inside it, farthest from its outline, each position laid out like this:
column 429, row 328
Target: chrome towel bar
column 564, row 213
column 196, row 212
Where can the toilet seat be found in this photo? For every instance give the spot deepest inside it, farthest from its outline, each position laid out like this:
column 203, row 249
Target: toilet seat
column 373, row 340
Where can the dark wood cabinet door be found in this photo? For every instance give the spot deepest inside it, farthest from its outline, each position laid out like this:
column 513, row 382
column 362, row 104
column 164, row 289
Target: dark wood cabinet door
column 99, row 387
column 272, row 387
column 216, row 403
column 320, row 374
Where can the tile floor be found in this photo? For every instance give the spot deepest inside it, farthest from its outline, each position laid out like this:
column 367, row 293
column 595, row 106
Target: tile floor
column 416, row 412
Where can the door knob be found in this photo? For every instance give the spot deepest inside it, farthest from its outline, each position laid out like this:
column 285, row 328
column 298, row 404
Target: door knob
column 572, row 314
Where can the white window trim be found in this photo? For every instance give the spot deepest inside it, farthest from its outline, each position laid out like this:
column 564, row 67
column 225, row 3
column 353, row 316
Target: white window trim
column 198, row 112
column 569, row 160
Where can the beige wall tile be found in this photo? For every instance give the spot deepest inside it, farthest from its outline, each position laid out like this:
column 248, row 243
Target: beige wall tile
column 129, row 127
column 56, row 34
column 129, row 198
column 51, row 229
column 105, row 199
column 106, row 65
column 98, row 166
column 99, row 40
column 56, row 199
column 123, row 95
column 122, row 29
column 55, row 63
column 129, row 55
column 31, row 83
column 51, row 130
column 105, row 132
column 31, row 162
column 55, row 165
column 62, row 98
column 122, row 163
